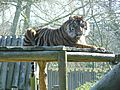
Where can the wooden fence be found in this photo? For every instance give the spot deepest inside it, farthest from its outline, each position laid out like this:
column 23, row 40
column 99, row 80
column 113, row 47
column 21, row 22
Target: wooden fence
column 76, row 78
column 14, row 74
column 77, row 73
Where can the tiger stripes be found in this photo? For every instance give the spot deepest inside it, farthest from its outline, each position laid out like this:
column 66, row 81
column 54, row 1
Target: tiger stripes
column 71, row 33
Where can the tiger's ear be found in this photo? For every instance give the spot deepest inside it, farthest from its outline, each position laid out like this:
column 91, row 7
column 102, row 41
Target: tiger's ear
column 76, row 17
column 81, row 17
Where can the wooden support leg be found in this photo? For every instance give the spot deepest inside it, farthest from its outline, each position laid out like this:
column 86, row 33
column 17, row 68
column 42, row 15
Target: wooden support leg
column 42, row 75
column 62, row 65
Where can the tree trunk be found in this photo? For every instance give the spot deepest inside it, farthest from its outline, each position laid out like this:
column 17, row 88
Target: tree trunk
column 27, row 14
column 111, row 81
column 16, row 17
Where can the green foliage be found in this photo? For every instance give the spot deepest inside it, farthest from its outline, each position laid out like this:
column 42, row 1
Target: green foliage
column 86, row 86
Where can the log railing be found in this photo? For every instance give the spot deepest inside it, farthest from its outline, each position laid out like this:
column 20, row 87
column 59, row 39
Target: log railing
column 60, row 54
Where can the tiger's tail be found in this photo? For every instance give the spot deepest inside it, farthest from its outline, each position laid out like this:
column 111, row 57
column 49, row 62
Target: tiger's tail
column 29, row 39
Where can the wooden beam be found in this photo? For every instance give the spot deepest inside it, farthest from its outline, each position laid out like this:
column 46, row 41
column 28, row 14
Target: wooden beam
column 52, row 56
column 28, row 56
column 42, row 75
column 62, row 65
column 51, row 48
column 90, row 57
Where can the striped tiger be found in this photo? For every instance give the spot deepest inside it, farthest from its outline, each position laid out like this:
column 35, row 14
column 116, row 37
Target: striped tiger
column 71, row 33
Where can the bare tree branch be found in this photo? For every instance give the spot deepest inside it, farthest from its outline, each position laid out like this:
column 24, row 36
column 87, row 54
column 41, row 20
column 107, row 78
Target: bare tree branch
column 64, row 15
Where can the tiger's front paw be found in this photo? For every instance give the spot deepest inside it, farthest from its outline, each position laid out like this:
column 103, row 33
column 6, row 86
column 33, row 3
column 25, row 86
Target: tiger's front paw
column 102, row 49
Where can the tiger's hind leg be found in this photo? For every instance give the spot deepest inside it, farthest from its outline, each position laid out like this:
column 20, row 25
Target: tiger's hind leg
column 29, row 39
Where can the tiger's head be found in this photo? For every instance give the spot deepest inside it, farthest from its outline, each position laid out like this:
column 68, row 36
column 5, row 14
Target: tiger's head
column 76, row 27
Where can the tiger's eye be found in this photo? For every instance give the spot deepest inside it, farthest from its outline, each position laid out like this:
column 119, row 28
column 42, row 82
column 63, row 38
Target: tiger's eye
column 82, row 25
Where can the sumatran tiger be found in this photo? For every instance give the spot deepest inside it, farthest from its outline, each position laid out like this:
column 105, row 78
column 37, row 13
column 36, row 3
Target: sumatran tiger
column 71, row 33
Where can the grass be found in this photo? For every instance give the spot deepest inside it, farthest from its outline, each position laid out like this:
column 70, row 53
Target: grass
column 86, row 86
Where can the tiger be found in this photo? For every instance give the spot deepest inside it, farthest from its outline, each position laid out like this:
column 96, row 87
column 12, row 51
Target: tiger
column 71, row 33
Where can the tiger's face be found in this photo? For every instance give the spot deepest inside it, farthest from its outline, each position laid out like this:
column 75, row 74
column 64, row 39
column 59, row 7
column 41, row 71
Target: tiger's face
column 76, row 27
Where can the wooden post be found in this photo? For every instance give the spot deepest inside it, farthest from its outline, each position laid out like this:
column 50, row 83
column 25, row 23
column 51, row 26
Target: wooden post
column 62, row 65
column 42, row 75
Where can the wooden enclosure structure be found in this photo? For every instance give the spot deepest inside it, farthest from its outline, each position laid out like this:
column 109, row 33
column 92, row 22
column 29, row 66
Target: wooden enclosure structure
column 60, row 54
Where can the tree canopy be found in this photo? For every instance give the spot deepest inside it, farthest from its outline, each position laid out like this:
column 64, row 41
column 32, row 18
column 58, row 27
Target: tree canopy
column 103, row 16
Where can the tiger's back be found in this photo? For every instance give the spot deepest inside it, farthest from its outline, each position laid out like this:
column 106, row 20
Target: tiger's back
column 29, row 37
column 47, row 37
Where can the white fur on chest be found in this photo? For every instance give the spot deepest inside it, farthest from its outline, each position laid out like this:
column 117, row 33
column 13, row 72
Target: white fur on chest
column 81, row 40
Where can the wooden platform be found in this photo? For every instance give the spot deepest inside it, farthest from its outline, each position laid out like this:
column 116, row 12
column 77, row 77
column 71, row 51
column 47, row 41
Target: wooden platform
column 11, row 50
column 60, row 54
column 50, row 54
